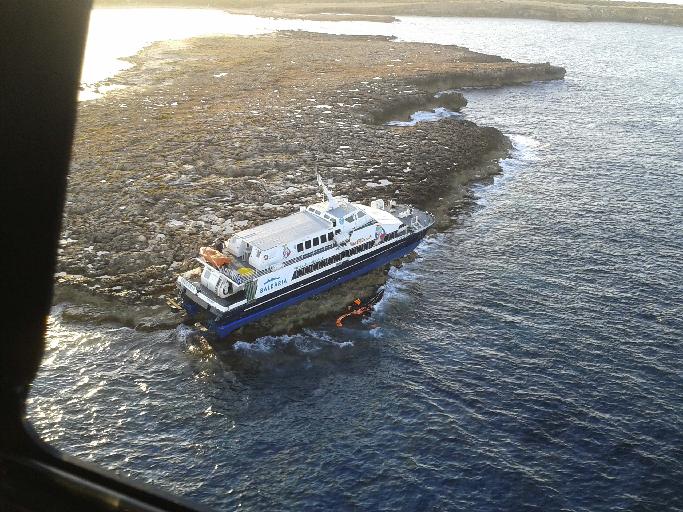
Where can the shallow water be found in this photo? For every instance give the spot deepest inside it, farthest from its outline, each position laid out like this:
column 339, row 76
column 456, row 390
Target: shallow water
column 529, row 359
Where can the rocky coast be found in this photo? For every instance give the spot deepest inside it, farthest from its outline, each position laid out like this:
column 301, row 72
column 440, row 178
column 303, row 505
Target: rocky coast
column 387, row 10
column 213, row 135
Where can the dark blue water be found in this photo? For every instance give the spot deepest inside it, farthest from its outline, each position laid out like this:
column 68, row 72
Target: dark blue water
column 530, row 359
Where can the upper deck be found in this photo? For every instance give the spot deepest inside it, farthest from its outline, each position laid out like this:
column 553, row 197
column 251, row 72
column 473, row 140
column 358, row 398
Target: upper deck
column 283, row 231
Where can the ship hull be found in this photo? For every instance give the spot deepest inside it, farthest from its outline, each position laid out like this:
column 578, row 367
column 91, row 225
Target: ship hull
column 299, row 291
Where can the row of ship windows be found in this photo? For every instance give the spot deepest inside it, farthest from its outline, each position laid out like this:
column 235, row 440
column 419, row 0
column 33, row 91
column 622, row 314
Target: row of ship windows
column 325, row 237
column 332, row 259
column 391, row 235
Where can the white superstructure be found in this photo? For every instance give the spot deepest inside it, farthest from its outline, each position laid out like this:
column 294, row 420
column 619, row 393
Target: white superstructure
column 257, row 265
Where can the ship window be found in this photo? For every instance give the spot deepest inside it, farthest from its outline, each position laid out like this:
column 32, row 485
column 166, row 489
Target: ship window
column 334, row 223
column 308, row 244
column 330, row 236
column 337, row 231
column 315, row 241
column 300, row 246
column 361, row 215
column 349, row 218
column 323, row 238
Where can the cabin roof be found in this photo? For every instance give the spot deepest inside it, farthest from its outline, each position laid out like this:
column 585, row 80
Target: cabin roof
column 342, row 210
column 283, row 231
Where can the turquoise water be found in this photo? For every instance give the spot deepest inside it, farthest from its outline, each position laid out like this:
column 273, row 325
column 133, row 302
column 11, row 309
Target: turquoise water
column 530, row 359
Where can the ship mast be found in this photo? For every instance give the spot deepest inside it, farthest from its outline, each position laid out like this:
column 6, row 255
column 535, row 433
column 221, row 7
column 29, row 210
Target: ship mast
column 331, row 201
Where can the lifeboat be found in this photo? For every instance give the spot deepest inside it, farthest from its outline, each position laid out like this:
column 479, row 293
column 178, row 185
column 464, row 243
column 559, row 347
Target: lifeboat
column 214, row 257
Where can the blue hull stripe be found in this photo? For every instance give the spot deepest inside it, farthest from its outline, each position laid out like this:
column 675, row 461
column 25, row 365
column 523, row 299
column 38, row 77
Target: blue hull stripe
column 222, row 330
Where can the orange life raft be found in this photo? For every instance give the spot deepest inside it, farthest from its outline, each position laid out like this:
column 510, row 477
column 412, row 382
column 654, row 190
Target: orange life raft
column 358, row 308
column 213, row 256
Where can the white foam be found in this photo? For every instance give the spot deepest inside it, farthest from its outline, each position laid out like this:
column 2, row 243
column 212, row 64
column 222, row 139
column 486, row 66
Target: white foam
column 519, row 140
column 327, row 339
column 429, row 244
column 308, row 342
column 524, row 151
column 184, row 333
column 422, row 116
column 265, row 344
column 319, row 335
column 376, row 332
column 395, row 290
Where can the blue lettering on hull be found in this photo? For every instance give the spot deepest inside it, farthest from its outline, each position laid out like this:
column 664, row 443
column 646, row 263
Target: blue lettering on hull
column 272, row 283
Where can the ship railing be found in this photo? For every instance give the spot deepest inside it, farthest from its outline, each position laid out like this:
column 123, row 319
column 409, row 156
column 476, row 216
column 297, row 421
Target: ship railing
column 416, row 224
column 187, row 284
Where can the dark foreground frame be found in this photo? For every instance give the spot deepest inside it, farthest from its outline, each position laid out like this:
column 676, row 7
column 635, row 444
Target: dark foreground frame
column 41, row 47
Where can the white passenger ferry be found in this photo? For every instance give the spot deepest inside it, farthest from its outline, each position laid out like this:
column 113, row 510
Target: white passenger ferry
column 266, row 268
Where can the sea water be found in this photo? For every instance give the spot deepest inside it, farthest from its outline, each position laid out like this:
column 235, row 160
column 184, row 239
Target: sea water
column 529, row 359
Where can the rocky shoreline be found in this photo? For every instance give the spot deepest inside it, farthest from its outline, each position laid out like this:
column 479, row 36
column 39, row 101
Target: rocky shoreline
column 386, row 10
column 213, row 135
